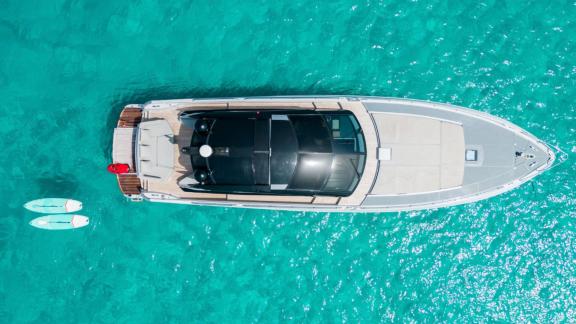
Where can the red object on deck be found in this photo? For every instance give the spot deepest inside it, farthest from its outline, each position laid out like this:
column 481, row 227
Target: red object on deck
column 118, row 168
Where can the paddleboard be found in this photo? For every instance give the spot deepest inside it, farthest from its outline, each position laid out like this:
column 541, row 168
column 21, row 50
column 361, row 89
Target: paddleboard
column 60, row 222
column 53, row 205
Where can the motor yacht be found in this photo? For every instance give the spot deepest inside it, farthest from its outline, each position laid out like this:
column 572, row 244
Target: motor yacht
column 320, row 153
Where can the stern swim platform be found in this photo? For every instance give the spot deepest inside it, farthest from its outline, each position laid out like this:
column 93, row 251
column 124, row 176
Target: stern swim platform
column 123, row 149
column 418, row 154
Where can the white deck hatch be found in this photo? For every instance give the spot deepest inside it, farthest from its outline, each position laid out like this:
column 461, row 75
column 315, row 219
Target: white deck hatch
column 155, row 150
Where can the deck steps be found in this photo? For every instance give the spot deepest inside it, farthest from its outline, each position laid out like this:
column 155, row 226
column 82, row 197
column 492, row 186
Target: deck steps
column 130, row 117
column 129, row 184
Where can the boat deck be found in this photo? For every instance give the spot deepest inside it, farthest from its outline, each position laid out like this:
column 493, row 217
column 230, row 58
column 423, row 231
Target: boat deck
column 449, row 178
column 417, row 153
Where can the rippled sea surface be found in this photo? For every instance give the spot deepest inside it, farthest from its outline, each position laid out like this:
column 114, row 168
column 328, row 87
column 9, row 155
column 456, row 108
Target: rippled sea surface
column 67, row 68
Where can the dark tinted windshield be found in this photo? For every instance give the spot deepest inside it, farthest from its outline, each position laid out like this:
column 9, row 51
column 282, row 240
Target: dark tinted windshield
column 312, row 132
column 279, row 152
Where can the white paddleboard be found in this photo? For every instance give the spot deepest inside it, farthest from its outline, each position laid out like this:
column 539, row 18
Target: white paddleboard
column 53, row 205
column 60, row 222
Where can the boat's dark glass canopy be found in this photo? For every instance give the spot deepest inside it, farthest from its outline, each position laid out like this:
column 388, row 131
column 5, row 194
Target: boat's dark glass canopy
column 284, row 152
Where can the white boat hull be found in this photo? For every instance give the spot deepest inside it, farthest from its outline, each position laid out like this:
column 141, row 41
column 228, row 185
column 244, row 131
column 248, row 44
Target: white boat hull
column 508, row 156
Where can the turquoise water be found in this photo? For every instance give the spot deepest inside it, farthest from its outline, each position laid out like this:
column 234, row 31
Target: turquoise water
column 67, row 68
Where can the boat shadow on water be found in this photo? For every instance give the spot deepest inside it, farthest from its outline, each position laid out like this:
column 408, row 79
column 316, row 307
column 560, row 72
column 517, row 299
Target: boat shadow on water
column 61, row 185
column 8, row 228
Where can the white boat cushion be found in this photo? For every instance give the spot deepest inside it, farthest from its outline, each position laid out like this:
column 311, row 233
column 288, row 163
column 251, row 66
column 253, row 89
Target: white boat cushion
column 426, row 154
column 123, row 147
column 156, row 150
